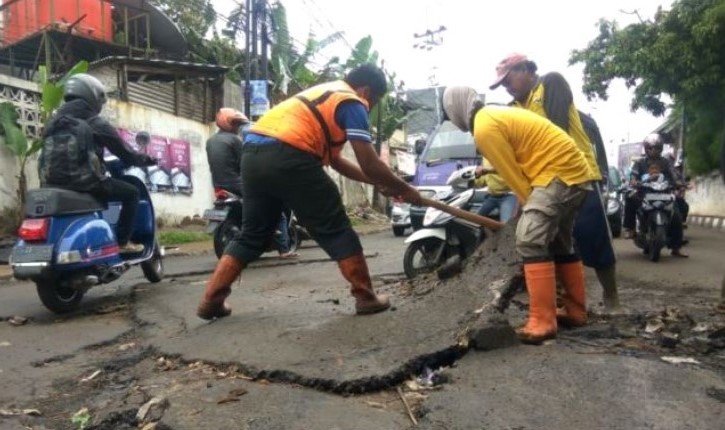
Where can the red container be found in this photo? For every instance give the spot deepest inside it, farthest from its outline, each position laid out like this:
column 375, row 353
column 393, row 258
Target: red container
column 24, row 18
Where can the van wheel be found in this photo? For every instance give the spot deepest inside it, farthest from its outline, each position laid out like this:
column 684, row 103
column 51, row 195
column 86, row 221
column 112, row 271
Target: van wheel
column 153, row 268
column 57, row 297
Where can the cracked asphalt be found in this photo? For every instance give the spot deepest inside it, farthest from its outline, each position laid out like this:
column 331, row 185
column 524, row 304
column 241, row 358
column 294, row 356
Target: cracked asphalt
column 292, row 355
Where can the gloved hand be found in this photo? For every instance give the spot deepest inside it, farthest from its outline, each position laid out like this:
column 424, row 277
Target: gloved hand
column 147, row 160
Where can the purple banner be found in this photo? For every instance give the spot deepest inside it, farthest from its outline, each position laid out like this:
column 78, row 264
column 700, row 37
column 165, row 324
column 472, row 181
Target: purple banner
column 173, row 171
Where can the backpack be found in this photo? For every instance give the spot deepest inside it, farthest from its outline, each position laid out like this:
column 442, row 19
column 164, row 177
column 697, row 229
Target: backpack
column 68, row 158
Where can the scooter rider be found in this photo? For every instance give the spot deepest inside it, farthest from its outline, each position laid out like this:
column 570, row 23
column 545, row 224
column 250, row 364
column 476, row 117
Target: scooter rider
column 224, row 151
column 653, row 147
column 283, row 165
column 84, row 97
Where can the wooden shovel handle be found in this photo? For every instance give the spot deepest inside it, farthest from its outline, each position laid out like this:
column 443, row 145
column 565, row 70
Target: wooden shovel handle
column 460, row 213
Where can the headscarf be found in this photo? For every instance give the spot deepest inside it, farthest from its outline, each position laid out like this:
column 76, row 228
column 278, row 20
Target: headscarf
column 459, row 104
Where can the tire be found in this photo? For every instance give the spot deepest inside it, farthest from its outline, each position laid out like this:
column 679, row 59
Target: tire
column 57, row 298
column 427, row 249
column 398, row 231
column 223, row 235
column 657, row 242
column 153, row 268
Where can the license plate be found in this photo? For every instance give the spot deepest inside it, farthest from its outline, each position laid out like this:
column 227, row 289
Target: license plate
column 215, row 214
column 655, row 196
column 32, row 254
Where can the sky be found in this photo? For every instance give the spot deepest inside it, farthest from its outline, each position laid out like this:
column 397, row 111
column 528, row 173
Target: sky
column 479, row 33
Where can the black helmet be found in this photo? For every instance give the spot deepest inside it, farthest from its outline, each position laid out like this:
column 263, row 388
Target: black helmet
column 87, row 88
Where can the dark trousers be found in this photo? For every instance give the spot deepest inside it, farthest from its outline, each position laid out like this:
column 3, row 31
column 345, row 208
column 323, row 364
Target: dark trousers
column 115, row 190
column 683, row 207
column 276, row 176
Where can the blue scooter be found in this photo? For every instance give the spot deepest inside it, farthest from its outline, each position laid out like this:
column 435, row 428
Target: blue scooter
column 67, row 243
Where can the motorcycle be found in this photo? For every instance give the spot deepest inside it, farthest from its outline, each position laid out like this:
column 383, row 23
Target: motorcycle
column 444, row 240
column 225, row 222
column 654, row 217
column 67, row 243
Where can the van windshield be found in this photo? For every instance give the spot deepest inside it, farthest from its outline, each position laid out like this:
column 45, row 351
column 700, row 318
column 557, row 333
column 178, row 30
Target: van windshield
column 448, row 142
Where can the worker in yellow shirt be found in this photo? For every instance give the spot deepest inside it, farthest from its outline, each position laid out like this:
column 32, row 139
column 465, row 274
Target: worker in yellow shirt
column 550, row 175
column 499, row 195
column 551, row 97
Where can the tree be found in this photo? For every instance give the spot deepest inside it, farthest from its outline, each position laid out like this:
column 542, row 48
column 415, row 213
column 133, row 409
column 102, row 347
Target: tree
column 680, row 53
column 13, row 136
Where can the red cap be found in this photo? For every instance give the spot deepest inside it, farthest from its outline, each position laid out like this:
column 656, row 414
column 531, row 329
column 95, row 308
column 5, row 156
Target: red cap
column 505, row 67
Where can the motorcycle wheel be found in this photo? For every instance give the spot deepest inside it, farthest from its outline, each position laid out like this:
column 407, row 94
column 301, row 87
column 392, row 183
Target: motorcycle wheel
column 223, row 235
column 657, row 242
column 57, row 297
column 420, row 256
column 153, row 268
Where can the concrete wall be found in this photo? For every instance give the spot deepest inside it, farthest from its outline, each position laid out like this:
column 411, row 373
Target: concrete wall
column 707, row 197
column 171, row 207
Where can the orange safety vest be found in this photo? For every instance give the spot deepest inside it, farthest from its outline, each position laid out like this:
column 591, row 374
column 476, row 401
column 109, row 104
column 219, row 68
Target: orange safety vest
column 307, row 120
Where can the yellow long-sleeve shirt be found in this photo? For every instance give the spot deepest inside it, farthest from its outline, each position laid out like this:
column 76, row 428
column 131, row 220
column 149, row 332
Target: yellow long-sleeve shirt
column 535, row 103
column 528, row 150
column 495, row 183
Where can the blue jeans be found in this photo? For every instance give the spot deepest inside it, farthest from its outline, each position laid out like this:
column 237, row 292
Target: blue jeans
column 282, row 239
column 506, row 204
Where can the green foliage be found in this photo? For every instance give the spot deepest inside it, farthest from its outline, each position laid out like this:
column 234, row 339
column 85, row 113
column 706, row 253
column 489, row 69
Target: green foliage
column 81, row 418
column 679, row 54
column 178, row 236
column 13, row 135
column 52, row 92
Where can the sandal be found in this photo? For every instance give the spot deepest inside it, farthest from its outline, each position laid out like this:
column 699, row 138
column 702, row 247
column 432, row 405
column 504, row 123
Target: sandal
column 289, row 254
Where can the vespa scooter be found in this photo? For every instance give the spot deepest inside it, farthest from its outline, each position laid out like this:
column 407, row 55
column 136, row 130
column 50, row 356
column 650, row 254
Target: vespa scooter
column 67, row 243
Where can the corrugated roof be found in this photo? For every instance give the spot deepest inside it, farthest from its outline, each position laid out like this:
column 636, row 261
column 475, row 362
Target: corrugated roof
column 161, row 64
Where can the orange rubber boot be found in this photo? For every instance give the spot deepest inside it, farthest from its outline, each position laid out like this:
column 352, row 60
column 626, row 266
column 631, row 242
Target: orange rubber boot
column 355, row 270
column 541, row 285
column 574, row 311
column 218, row 288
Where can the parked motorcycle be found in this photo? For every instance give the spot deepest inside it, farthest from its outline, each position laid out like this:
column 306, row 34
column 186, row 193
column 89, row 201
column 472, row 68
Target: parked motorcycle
column 67, row 243
column 444, row 240
column 225, row 222
column 654, row 217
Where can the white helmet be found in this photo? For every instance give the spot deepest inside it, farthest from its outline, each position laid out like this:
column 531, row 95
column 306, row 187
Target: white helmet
column 653, row 141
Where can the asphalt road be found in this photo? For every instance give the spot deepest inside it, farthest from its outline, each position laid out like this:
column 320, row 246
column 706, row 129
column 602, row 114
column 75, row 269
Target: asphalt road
column 292, row 356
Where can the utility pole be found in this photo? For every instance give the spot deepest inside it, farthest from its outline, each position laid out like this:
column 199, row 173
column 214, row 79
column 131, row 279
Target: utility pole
column 426, row 41
column 248, row 66
column 265, row 39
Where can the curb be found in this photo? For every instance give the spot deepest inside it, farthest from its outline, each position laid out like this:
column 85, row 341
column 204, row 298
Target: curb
column 714, row 222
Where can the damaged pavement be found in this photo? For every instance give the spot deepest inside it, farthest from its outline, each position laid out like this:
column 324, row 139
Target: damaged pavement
column 292, row 356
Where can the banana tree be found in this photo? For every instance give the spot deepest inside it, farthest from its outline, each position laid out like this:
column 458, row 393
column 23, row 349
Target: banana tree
column 15, row 139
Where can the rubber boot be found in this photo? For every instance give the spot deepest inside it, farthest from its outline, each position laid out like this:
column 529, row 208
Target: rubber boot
column 355, row 270
column 574, row 311
column 541, row 285
column 608, row 280
column 218, row 288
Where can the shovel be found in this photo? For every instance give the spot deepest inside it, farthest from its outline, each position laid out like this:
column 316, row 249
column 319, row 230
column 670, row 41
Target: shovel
column 460, row 213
